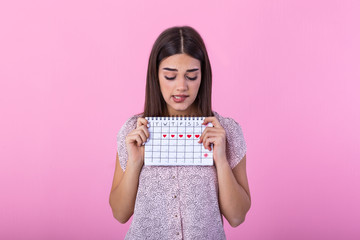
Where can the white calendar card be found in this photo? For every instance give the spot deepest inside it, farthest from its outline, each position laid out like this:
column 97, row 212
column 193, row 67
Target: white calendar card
column 174, row 141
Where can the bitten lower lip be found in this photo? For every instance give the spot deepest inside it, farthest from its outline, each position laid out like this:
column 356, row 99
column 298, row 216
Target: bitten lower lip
column 181, row 99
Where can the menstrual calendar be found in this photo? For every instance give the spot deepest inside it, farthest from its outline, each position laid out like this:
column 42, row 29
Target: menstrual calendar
column 174, row 141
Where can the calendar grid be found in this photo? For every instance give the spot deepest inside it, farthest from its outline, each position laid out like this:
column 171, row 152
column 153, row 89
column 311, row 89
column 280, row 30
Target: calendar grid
column 172, row 142
column 152, row 149
column 161, row 142
column 177, row 131
column 193, row 149
column 169, row 145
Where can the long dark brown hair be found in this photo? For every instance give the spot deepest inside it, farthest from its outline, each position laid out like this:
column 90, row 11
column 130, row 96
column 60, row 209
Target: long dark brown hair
column 176, row 40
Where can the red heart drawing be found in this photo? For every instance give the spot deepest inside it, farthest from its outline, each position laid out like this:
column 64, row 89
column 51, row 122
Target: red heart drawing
column 189, row 136
column 172, row 135
column 205, row 155
column 164, row 135
column 197, row 136
column 181, row 135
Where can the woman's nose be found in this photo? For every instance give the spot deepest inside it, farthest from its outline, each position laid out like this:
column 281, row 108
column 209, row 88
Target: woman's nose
column 182, row 83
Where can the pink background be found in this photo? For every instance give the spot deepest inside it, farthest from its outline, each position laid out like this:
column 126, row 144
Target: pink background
column 72, row 72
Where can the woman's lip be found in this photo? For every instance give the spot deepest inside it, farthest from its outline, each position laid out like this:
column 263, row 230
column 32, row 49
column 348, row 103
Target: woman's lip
column 181, row 99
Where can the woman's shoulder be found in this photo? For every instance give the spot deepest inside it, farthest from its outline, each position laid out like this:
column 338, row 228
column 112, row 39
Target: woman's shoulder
column 130, row 123
column 133, row 118
column 236, row 144
column 225, row 120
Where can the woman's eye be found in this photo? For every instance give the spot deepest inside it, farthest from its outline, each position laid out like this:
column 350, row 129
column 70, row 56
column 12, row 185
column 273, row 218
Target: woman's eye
column 194, row 78
column 169, row 78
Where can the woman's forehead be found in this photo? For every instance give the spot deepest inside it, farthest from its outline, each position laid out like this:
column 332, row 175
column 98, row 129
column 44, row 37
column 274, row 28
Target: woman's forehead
column 180, row 62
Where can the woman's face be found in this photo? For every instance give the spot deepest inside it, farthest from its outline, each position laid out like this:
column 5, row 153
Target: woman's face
column 180, row 75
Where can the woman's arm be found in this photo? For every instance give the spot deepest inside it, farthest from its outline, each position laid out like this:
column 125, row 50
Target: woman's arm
column 123, row 190
column 125, row 184
column 234, row 193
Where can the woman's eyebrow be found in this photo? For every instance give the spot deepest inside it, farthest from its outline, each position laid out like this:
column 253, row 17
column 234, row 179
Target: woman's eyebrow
column 175, row 70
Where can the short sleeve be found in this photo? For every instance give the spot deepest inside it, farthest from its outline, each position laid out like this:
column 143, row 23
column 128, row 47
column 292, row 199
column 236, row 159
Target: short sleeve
column 128, row 126
column 235, row 142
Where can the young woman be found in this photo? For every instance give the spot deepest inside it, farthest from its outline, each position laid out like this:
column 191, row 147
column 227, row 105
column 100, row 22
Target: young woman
column 180, row 202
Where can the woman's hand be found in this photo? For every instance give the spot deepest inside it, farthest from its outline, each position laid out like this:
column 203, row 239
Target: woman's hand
column 135, row 141
column 214, row 135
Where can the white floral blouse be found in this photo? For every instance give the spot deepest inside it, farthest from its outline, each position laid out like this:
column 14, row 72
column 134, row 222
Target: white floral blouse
column 180, row 202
